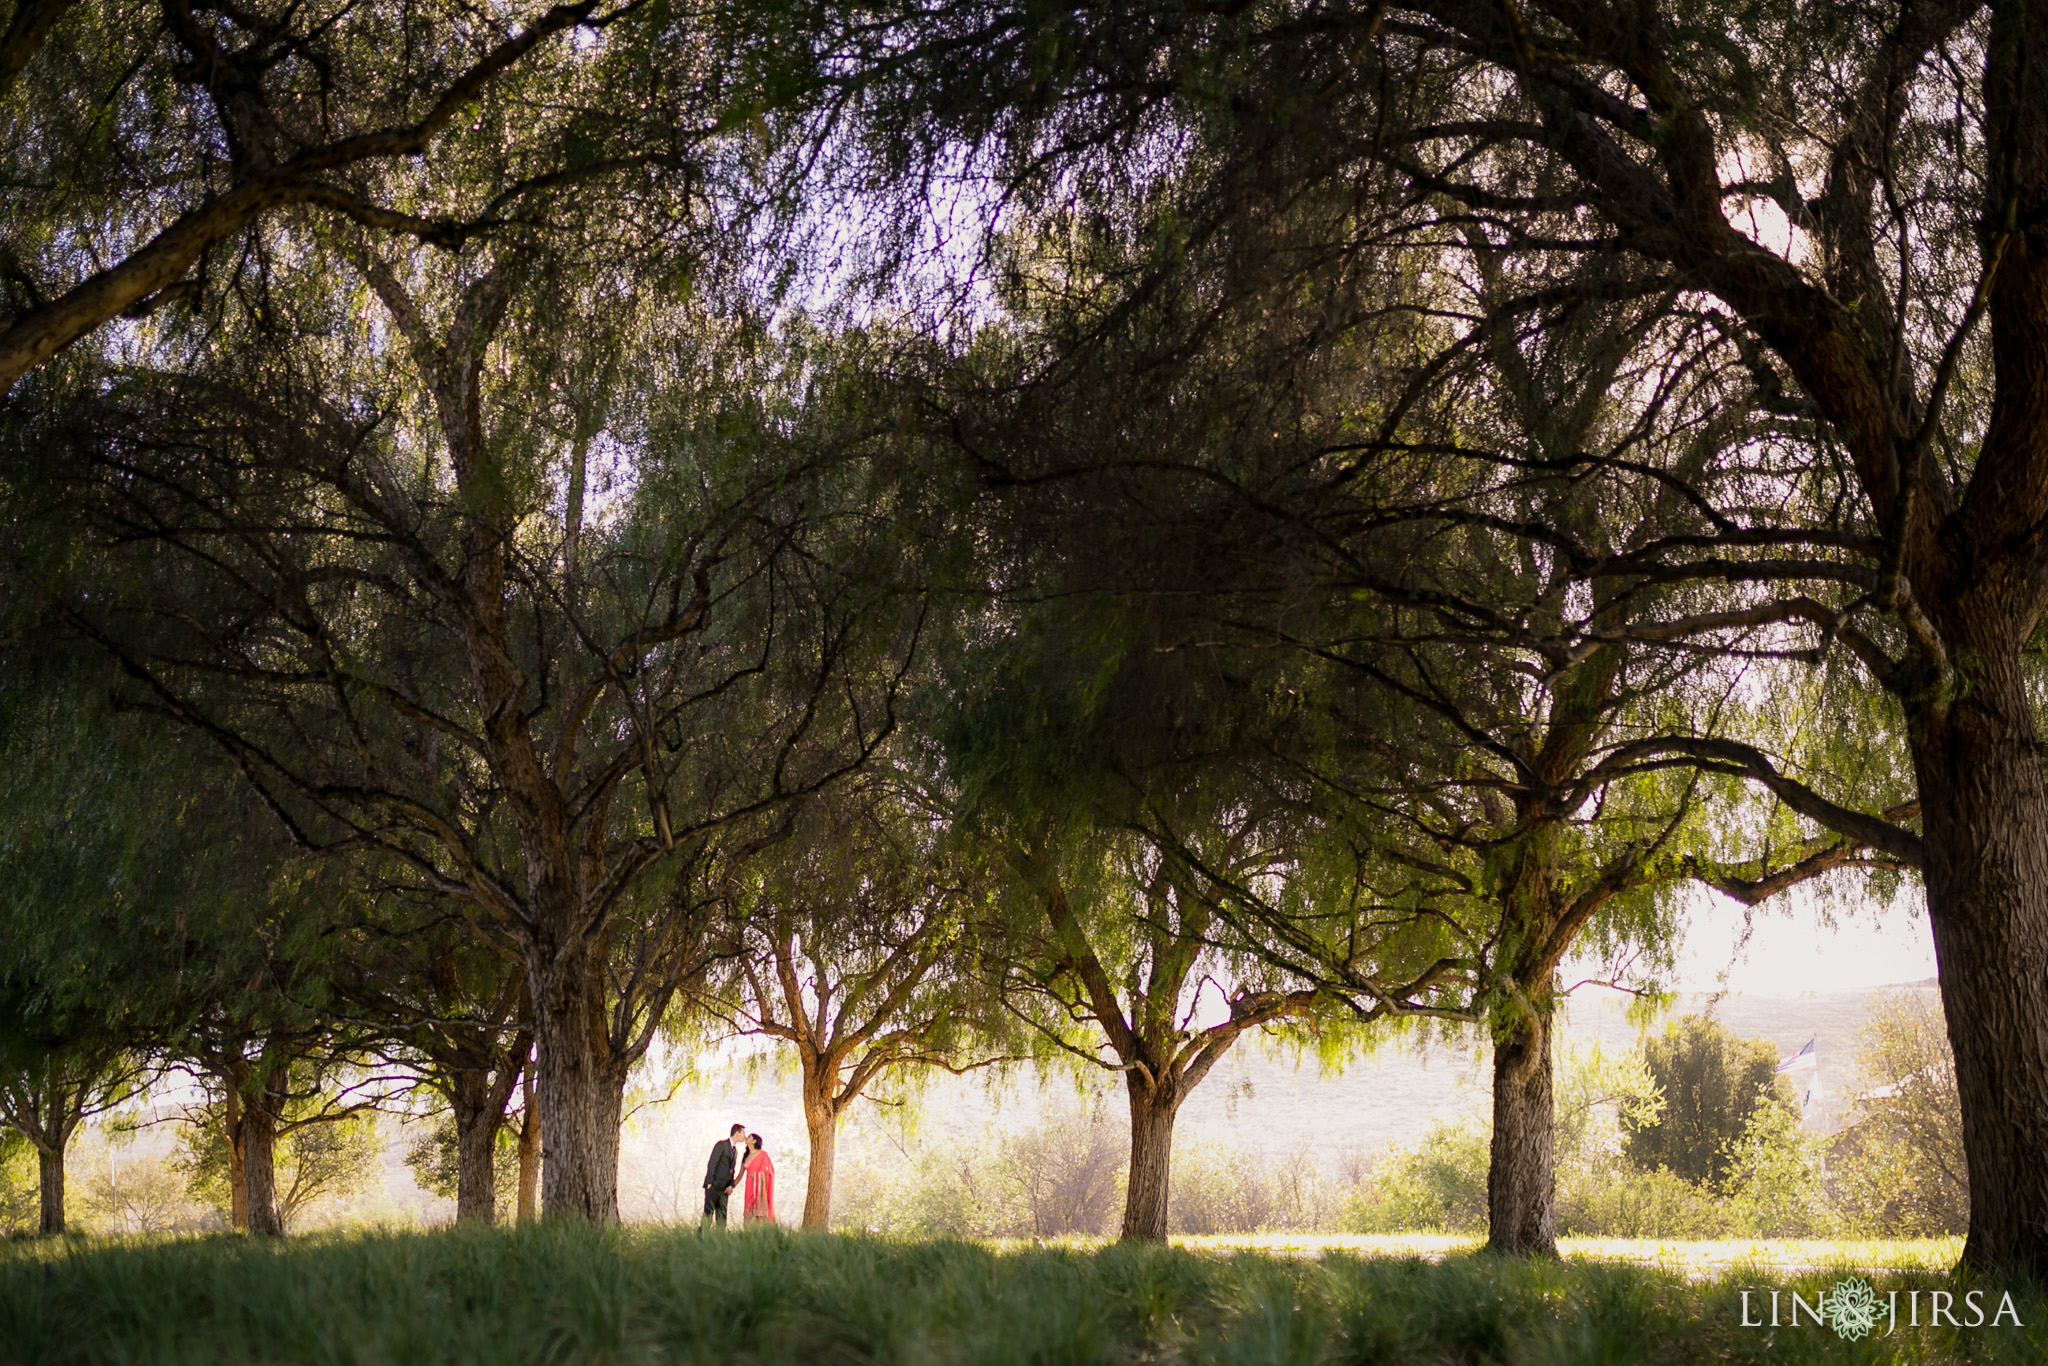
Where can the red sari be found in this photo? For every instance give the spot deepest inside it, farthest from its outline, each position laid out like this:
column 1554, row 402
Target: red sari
column 760, row 1188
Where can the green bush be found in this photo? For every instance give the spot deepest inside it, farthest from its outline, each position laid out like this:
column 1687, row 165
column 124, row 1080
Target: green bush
column 1710, row 1083
column 1437, row 1183
column 1774, row 1186
column 20, row 1185
column 1771, row 1184
column 1899, row 1165
column 1614, row 1201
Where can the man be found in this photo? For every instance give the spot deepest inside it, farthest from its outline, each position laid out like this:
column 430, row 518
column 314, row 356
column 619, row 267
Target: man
column 722, row 1174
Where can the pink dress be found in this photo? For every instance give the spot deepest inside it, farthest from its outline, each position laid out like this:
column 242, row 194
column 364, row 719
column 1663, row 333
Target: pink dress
column 760, row 1189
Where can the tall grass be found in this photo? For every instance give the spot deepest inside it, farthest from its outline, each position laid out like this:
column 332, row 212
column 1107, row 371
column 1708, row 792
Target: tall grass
column 577, row 1295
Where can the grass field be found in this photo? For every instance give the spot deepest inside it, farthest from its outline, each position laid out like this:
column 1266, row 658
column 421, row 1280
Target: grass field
column 566, row 1295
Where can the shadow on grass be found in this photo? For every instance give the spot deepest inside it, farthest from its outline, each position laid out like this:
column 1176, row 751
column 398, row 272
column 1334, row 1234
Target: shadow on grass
column 578, row 1295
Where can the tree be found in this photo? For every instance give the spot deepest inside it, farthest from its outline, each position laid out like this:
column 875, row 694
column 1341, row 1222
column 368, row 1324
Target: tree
column 1852, row 210
column 570, row 729
column 1901, row 1160
column 152, row 913
column 852, row 946
column 453, row 1007
column 437, row 1161
column 1069, row 743
column 1462, row 709
column 180, row 140
column 323, row 1145
column 1712, row 1085
column 54, row 1075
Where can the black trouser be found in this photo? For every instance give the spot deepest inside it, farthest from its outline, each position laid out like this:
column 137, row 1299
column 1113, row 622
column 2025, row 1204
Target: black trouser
column 714, row 1204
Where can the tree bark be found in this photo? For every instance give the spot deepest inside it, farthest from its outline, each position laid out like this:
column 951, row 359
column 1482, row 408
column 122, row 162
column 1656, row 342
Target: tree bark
column 529, row 1146
column 1986, row 819
column 238, row 1182
column 259, row 1170
column 579, row 1090
column 476, row 1144
column 50, row 1165
column 822, row 1122
column 1145, row 1197
column 1521, row 1178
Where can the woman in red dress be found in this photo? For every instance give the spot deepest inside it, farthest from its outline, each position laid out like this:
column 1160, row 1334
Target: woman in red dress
column 760, row 1179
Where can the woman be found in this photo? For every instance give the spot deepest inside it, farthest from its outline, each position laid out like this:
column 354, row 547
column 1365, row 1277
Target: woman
column 760, row 1179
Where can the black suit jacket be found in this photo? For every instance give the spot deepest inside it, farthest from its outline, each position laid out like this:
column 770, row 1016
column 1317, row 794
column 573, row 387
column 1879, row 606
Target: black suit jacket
column 724, row 1166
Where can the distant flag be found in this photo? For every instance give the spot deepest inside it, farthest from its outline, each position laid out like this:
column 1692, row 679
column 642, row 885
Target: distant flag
column 1805, row 1060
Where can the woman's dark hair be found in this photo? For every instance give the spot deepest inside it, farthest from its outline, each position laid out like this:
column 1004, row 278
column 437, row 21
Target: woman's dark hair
column 758, row 1144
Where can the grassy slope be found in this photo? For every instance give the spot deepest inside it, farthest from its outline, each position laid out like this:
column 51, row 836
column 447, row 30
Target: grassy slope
column 662, row 1295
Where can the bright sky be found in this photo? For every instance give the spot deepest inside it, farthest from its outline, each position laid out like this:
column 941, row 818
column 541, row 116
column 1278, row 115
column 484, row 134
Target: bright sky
column 1790, row 951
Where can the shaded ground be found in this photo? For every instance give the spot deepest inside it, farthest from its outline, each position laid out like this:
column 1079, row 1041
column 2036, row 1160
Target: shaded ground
column 566, row 1295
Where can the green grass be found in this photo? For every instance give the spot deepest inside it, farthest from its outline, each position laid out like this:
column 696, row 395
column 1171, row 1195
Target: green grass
column 570, row 1295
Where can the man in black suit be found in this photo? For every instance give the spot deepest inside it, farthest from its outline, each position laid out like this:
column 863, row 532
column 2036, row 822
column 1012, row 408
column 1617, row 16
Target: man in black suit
column 723, row 1174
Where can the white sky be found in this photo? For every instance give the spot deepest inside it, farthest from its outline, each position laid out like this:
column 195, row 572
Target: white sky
column 1790, row 951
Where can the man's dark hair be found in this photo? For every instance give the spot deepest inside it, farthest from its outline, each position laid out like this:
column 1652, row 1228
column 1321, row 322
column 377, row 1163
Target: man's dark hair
column 737, row 1129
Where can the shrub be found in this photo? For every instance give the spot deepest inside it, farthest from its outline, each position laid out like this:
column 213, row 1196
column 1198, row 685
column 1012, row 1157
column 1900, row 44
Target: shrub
column 1616, row 1201
column 1899, row 1166
column 20, row 1192
column 1711, row 1083
column 1437, row 1183
column 1774, row 1186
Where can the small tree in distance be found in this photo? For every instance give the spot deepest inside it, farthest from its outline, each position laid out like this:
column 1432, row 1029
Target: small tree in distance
column 1712, row 1084
column 1900, row 1163
column 850, row 948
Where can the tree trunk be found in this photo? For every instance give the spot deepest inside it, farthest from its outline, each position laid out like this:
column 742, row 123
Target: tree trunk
column 1986, row 830
column 238, row 1166
column 476, row 1144
column 529, row 1146
column 823, row 1123
column 259, row 1170
column 579, row 1090
column 50, row 1162
column 1152, row 1116
column 1521, row 1179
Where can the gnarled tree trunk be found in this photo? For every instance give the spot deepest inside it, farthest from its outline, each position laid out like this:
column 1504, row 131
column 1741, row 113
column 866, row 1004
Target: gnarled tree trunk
column 1521, row 1177
column 50, row 1167
column 238, row 1181
column 1986, row 820
column 1145, row 1197
column 579, row 1089
column 476, row 1143
column 821, row 1121
column 259, row 1168
column 529, row 1146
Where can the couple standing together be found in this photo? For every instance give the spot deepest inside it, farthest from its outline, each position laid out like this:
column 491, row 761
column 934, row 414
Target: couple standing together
column 740, row 1157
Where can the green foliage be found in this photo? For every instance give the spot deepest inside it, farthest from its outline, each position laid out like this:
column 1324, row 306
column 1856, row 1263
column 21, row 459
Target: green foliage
column 1711, row 1084
column 115, row 1185
column 1437, row 1183
column 1899, row 1163
column 593, row 1294
column 1771, row 1187
column 1773, row 1181
column 20, row 1195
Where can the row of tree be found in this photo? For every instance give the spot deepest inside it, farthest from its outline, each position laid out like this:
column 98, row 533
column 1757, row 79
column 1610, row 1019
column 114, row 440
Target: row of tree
column 933, row 532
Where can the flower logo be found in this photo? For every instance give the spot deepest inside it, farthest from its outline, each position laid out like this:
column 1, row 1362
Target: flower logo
column 1853, row 1309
